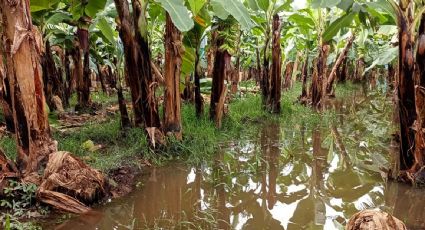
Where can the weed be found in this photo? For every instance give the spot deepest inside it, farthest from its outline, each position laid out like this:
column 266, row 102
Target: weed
column 18, row 197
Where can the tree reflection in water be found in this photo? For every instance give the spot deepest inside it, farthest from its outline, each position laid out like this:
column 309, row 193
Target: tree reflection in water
column 312, row 175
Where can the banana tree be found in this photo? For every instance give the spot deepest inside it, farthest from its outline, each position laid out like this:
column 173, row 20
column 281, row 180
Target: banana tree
column 410, row 87
column 77, row 14
column 264, row 13
column 23, row 74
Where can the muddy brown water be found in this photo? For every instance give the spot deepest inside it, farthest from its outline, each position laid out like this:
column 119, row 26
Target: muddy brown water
column 286, row 176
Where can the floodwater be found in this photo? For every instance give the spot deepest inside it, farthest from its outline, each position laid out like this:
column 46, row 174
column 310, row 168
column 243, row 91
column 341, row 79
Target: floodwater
column 286, row 176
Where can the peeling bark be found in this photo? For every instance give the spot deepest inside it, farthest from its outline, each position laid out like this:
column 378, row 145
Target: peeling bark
column 419, row 125
column 218, row 91
column 26, row 86
column 320, row 77
column 173, row 62
column 83, row 59
column 5, row 96
column 406, row 94
column 343, row 71
column 138, row 63
column 288, row 75
column 358, row 73
column 102, row 77
column 70, row 78
column 53, row 84
column 276, row 71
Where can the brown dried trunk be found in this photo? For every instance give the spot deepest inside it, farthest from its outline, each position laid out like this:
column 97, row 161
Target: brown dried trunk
column 219, row 89
column 173, row 62
column 339, row 61
column 318, row 80
column 5, row 96
column 137, row 59
column 276, row 71
column 125, row 120
column 420, row 102
column 359, row 70
column 53, row 85
column 102, row 76
column 70, row 79
column 392, row 72
column 343, row 71
column 26, row 85
column 406, row 94
column 83, row 79
column 288, row 75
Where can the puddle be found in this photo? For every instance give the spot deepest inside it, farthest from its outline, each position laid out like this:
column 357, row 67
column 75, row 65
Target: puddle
column 287, row 176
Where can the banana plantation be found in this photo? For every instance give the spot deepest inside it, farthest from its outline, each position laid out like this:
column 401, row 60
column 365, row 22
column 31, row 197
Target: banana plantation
column 212, row 114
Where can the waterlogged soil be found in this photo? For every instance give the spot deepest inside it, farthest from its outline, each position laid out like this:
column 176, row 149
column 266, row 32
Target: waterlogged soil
column 289, row 175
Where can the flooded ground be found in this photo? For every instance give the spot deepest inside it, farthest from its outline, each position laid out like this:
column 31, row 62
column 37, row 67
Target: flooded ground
column 286, row 176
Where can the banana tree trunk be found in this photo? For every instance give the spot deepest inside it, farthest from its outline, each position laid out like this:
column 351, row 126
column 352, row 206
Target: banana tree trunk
column 22, row 43
column 53, row 85
column 5, row 96
column 102, row 77
column 219, row 89
column 358, row 73
column 137, row 60
column 288, row 75
column 420, row 102
column 343, row 71
column 83, row 80
column 339, row 61
column 70, row 78
column 318, row 79
column 173, row 62
column 406, row 93
column 276, row 71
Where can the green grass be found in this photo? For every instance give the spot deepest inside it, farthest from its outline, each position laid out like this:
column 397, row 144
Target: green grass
column 8, row 144
column 200, row 142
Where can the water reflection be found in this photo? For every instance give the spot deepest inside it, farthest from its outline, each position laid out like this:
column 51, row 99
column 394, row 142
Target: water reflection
column 288, row 176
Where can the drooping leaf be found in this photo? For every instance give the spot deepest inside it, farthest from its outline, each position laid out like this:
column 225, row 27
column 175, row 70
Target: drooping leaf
column 39, row 5
column 106, row 29
column 179, row 14
column 93, row 7
column 334, row 28
column 324, row 3
column 196, row 6
column 58, row 18
column 345, row 4
column 263, row 4
column 237, row 10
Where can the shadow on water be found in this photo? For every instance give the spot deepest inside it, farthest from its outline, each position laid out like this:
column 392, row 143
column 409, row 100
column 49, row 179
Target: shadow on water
column 287, row 176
